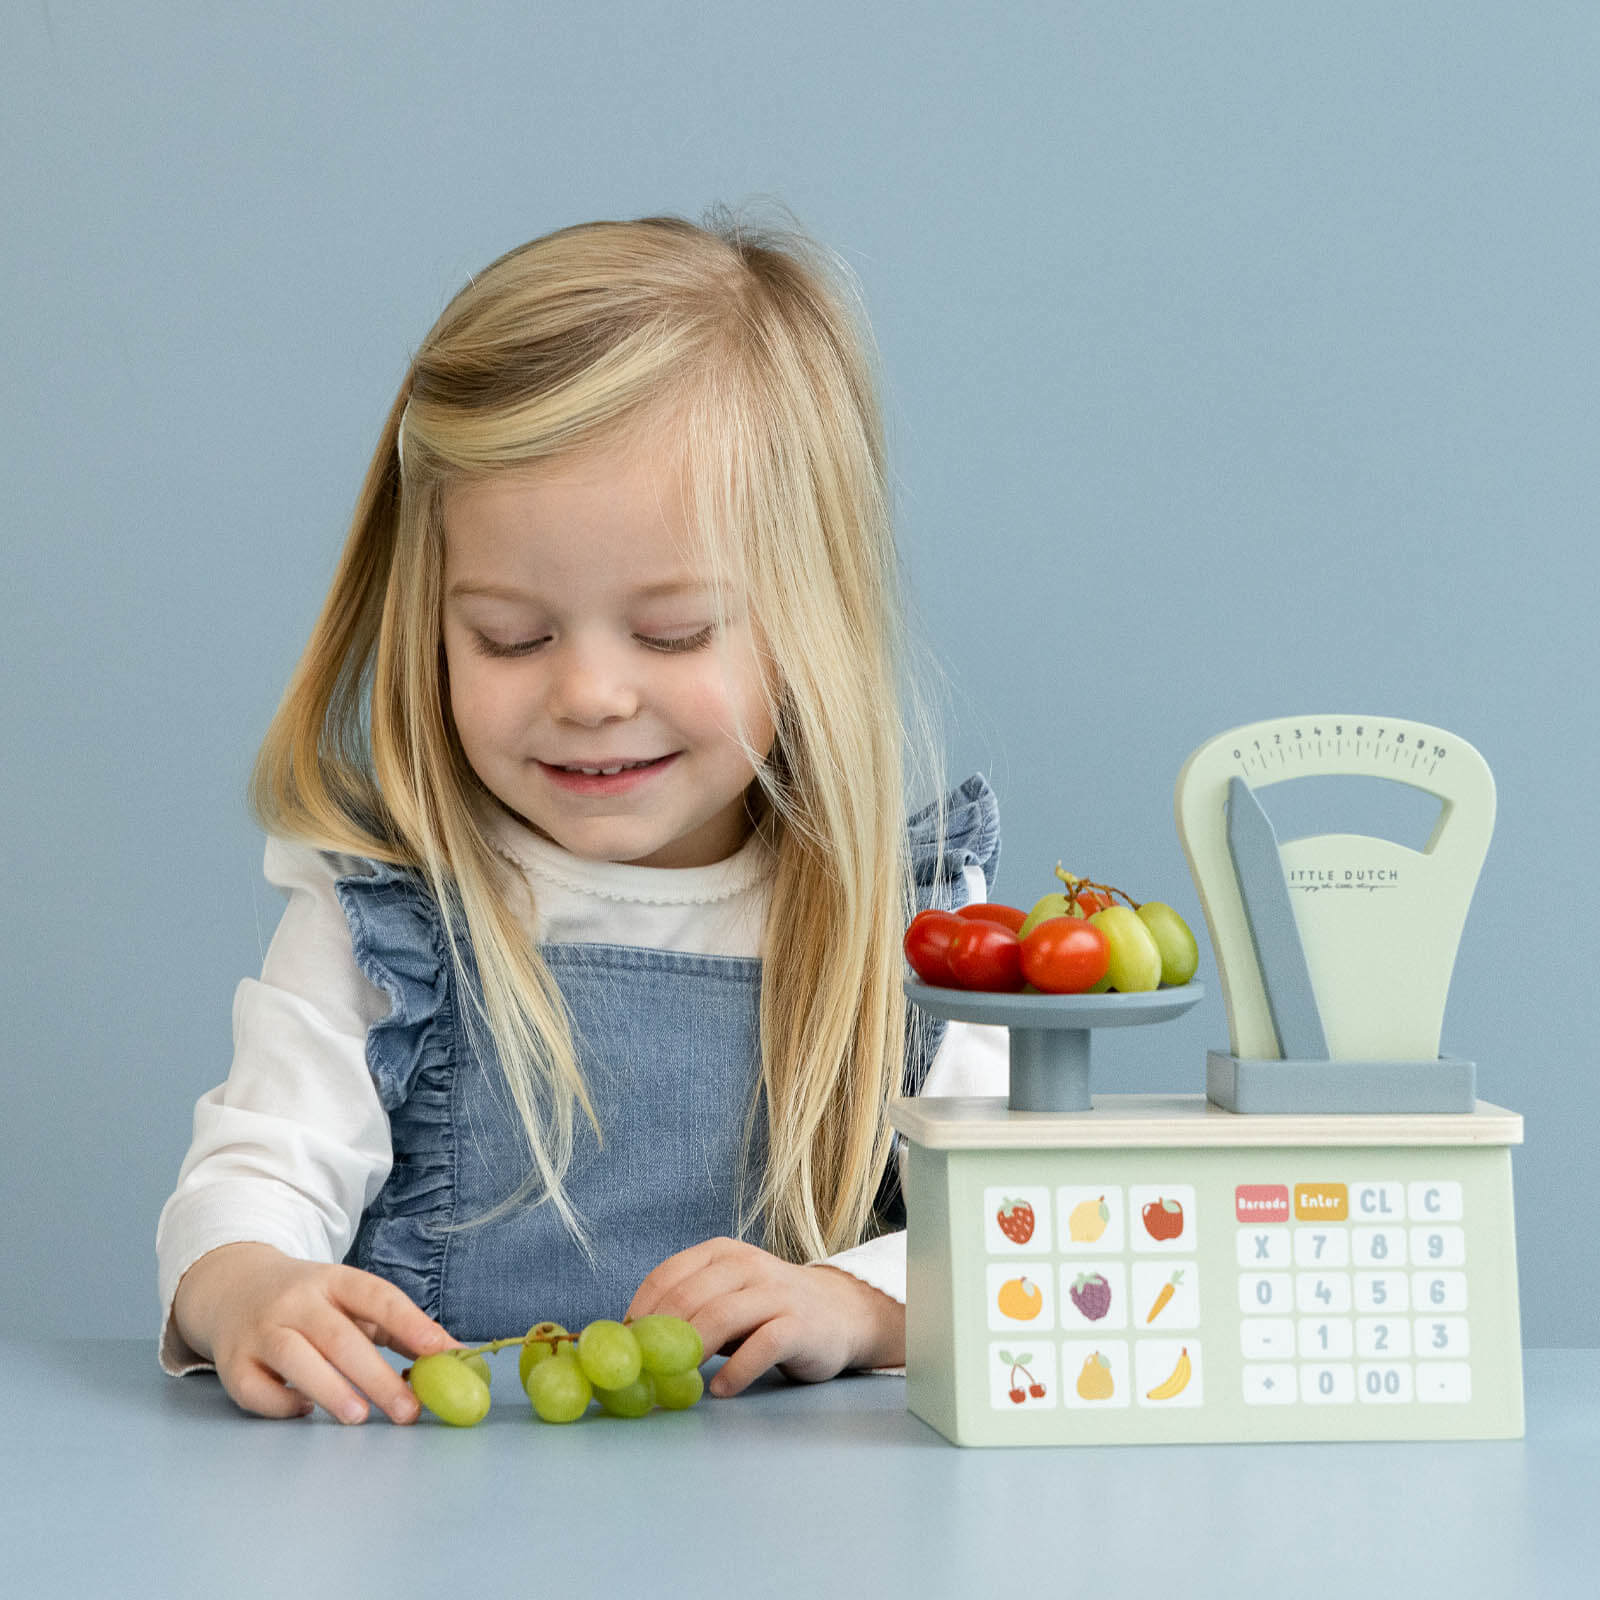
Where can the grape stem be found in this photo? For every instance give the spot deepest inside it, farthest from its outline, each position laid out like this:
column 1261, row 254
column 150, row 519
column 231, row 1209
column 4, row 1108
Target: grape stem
column 496, row 1345
column 1074, row 883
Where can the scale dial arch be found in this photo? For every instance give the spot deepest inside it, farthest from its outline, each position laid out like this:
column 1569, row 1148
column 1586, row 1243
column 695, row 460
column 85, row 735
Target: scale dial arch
column 1380, row 979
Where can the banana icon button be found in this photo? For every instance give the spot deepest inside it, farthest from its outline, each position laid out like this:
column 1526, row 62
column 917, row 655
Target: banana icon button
column 1177, row 1383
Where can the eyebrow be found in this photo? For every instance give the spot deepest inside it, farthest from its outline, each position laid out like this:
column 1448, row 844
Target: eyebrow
column 500, row 591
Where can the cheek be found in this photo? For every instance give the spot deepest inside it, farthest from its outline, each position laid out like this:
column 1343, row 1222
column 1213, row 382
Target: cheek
column 478, row 706
column 731, row 703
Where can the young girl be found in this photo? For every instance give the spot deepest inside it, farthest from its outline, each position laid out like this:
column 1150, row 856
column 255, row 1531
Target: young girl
column 587, row 800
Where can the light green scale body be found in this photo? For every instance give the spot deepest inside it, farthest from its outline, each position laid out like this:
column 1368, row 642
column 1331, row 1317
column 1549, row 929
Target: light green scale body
column 1397, row 1320
column 1323, row 1249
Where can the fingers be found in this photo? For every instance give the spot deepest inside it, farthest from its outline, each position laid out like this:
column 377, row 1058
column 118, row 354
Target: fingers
column 772, row 1343
column 317, row 1342
column 759, row 1311
column 356, row 1365
column 707, row 1290
column 387, row 1315
column 728, row 1290
column 252, row 1387
column 670, row 1276
column 337, row 1355
column 337, row 1368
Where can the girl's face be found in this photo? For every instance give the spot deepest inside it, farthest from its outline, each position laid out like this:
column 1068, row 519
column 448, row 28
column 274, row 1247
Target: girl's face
column 578, row 637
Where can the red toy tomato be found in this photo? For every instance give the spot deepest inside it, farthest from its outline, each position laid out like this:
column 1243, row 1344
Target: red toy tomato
column 927, row 945
column 1090, row 902
column 989, row 911
column 983, row 955
column 1065, row 955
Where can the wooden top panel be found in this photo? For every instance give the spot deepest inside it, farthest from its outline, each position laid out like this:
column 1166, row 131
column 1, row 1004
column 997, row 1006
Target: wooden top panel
column 1171, row 1121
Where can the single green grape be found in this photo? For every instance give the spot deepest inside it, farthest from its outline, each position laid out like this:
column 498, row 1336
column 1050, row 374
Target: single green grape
column 558, row 1389
column 1135, row 961
column 1180, row 954
column 637, row 1399
column 667, row 1344
column 452, row 1388
column 677, row 1391
column 609, row 1354
column 542, row 1343
column 1047, row 906
column 479, row 1364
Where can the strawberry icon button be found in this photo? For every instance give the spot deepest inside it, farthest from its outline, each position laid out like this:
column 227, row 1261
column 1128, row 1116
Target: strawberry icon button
column 1015, row 1218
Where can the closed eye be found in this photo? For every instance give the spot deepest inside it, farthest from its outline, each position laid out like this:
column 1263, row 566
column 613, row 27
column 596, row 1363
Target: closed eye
column 488, row 647
column 691, row 641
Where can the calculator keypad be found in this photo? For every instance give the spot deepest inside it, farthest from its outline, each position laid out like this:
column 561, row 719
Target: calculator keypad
column 1352, row 1293
column 1099, row 1295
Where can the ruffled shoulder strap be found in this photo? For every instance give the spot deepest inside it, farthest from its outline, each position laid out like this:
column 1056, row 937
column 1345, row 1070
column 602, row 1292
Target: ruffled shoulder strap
column 398, row 938
column 971, row 839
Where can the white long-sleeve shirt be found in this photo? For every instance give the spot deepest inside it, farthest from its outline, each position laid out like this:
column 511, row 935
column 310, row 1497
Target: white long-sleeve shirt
column 294, row 1145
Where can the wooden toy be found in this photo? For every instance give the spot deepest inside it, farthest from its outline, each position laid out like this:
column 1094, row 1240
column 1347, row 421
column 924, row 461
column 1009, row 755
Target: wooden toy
column 1322, row 1247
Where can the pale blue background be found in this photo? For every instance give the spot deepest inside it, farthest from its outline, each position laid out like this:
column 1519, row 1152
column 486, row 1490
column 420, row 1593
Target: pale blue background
column 1241, row 360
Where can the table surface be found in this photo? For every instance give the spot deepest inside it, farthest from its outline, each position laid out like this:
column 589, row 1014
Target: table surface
column 116, row 1479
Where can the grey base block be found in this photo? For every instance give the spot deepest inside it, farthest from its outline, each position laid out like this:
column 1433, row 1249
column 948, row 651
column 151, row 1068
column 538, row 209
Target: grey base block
column 1447, row 1084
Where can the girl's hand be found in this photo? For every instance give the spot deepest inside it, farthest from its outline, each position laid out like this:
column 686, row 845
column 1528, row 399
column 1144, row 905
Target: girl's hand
column 284, row 1333
column 809, row 1322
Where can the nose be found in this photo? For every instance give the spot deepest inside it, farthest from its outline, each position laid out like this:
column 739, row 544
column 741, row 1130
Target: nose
column 592, row 683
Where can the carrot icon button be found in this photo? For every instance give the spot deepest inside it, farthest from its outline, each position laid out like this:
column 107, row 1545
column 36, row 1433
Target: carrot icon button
column 1168, row 1289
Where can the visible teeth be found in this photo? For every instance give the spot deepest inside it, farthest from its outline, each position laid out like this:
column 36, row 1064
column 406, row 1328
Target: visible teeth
column 606, row 772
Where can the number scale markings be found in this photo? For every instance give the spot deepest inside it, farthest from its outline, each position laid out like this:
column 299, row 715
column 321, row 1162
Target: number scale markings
column 1299, row 747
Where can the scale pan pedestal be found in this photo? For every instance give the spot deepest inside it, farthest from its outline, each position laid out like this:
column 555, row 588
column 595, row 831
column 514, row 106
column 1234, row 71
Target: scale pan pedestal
column 1445, row 1085
column 1051, row 1034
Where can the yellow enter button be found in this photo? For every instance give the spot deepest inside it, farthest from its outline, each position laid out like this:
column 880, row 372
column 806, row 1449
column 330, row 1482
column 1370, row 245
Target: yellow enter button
column 1321, row 1202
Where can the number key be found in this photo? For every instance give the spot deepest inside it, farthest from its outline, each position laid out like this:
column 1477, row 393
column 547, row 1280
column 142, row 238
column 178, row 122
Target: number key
column 1321, row 1247
column 1322, row 1292
column 1388, row 1292
column 1442, row 1336
column 1378, row 1247
column 1438, row 1247
column 1261, row 1292
column 1433, row 1292
column 1384, row 1338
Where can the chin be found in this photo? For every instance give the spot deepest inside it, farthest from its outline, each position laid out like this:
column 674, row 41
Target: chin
column 599, row 847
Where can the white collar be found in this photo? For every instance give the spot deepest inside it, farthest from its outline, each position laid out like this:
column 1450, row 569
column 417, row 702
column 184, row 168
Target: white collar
column 538, row 857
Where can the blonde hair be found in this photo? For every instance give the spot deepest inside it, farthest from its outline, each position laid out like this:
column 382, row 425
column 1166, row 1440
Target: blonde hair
column 740, row 347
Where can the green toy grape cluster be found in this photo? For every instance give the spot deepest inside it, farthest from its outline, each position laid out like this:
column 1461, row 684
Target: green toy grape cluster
column 630, row 1368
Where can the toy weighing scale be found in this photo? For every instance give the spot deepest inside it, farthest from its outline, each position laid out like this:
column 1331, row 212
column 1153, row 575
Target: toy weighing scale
column 1320, row 1247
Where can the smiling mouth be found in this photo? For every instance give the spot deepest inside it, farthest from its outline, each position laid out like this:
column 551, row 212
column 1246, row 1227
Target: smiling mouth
column 605, row 771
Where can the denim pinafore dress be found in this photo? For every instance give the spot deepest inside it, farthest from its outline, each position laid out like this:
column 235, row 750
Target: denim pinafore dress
column 669, row 1044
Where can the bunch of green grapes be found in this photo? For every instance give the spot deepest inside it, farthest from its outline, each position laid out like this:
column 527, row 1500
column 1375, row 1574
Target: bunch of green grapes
column 629, row 1367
